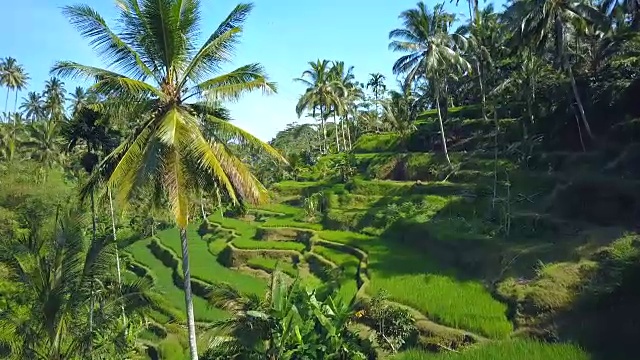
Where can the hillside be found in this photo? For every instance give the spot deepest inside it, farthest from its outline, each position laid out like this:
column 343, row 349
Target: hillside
column 547, row 257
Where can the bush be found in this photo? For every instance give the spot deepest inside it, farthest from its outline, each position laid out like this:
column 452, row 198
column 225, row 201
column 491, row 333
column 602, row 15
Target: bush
column 394, row 327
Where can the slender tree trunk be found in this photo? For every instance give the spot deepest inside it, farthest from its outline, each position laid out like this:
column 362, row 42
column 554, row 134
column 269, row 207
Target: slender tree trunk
column 92, row 300
column 335, row 125
column 564, row 63
column 188, row 296
column 443, row 137
column 574, row 87
column 6, row 101
column 348, row 132
column 324, row 130
column 115, row 242
column 482, row 94
column 204, row 213
column 495, row 159
column 15, row 102
column 344, row 137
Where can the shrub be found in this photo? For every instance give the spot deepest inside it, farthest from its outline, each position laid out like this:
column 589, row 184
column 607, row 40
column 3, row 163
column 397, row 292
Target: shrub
column 394, row 326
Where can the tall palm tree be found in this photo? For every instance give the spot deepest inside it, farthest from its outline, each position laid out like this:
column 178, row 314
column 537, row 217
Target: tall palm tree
column 79, row 99
column 543, row 19
column 343, row 82
column 156, row 61
column 318, row 94
column 432, row 52
column 33, row 106
column 13, row 77
column 54, row 93
column 376, row 83
column 45, row 144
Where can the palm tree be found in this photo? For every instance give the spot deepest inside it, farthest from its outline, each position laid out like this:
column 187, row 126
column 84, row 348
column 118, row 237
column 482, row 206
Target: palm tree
column 318, row 94
column 159, row 65
column 45, row 144
column 33, row 106
column 54, row 93
column 545, row 18
column 79, row 99
column 432, row 53
column 376, row 83
column 56, row 272
column 343, row 83
column 399, row 111
column 13, row 77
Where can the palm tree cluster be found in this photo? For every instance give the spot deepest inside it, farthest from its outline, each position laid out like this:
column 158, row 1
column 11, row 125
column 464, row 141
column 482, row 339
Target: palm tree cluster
column 331, row 93
column 500, row 60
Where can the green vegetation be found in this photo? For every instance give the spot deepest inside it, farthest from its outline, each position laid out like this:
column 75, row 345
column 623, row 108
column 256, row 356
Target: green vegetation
column 505, row 350
column 485, row 208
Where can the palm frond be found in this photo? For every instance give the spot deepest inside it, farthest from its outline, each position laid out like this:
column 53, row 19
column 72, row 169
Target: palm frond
column 106, row 82
column 232, row 85
column 219, row 47
column 108, row 45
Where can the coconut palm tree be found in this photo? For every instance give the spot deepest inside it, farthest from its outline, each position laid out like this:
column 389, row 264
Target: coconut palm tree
column 343, row 82
column 13, row 77
column 45, row 144
column 543, row 19
column 318, row 94
column 432, row 52
column 155, row 61
column 54, row 93
column 33, row 106
column 376, row 83
column 80, row 98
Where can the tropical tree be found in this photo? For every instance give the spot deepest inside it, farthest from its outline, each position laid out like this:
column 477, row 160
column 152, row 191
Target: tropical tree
column 399, row 112
column 57, row 273
column 45, row 144
column 290, row 323
column 33, row 107
column 54, row 93
column 542, row 19
column 432, row 52
column 155, row 60
column 318, row 94
column 13, row 77
column 376, row 83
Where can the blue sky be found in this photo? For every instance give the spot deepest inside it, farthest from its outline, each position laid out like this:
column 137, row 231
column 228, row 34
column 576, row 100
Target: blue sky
column 282, row 35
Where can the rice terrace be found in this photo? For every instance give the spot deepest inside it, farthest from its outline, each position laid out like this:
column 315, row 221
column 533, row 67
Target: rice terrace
column 456, row 181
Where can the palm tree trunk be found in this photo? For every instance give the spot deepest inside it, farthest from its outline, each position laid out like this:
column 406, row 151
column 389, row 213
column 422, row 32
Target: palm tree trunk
column 482, row 94
column 93, row 239
column 344, row 137
column 15, row 102
column 335, row 125
column 526, row 124
column 348, row 132
column 188, row 297
column 6, row 101
column 115, row 242
column 443, row 137
column 574, row 87
column 324, row 130
column 204, row 213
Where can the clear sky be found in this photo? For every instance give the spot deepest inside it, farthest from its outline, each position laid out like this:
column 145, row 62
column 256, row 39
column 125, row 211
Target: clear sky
column 282, row 35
